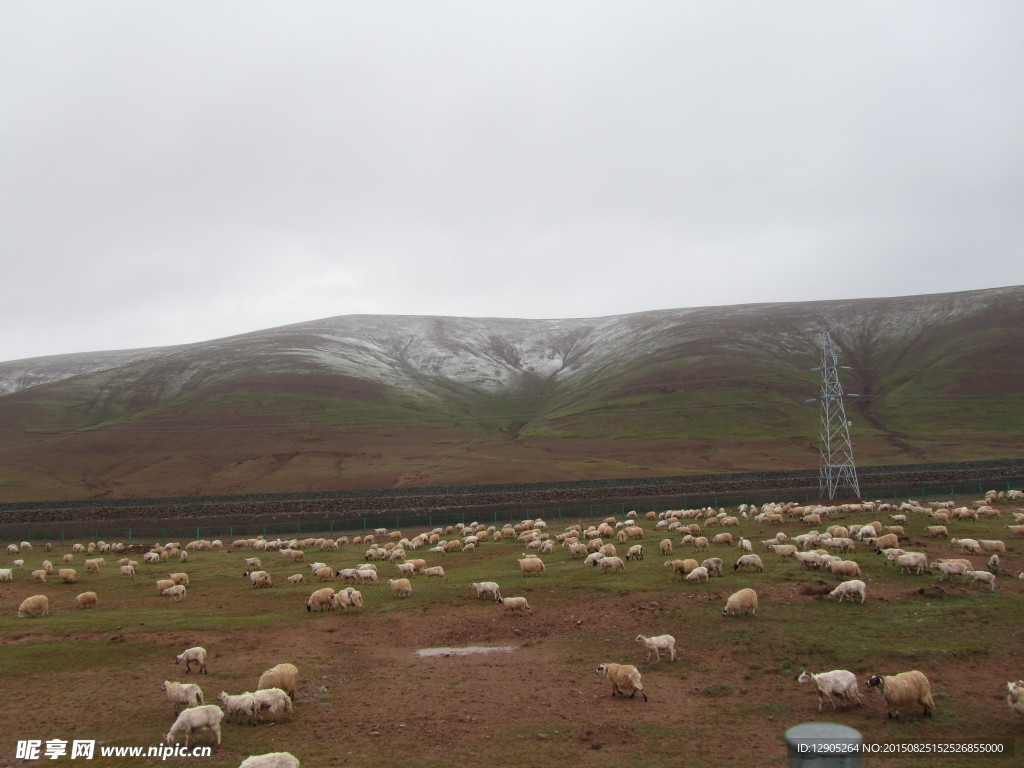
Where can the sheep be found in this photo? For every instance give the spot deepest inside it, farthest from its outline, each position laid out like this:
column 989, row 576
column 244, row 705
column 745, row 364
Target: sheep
column 487, row 589
column 902, row 689
column 195, row 655
column 887, row 541
column 183, row 695
column 204, row 718
column 320, row 600
column 701, row 543
column 87, row 600
column 986, row 577
column 844, row 568
column 612, row 564
column 515, row 604
column 636, row 552
column 938, row 532
column 666, row 546
column 179, row 578
column 949, row 569
column 297, row 578
column 39, row 575
column 68, row 575
column 36, row 605
column 283, row 676
column 243, row 705
column 682, row 567
column 274, row 701
column 993, row 545
column 162, row 584
column 714, row 565
column 126, row 570
column 400, row 587
column 259, row 579
column 92, row 565
column 435, row 570
column 968, row 546
column 176, row 593
column 1015, row 696
column 848, row 589
column 324, row 574
column 910, row 561
column 6, row 574
column 348, row 598
column 658, row 643
column 740, row 603
column 749, row 561
column 271, row 760
column 838, row 682
column 625, row 679
column 531, row 565
column 722, row 538
column 698, row 574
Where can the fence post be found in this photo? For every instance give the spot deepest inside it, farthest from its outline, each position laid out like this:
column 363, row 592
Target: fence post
column 129, row 537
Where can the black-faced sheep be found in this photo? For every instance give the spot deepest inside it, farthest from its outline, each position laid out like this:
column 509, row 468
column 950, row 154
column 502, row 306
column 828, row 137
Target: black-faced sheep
column 903, row 689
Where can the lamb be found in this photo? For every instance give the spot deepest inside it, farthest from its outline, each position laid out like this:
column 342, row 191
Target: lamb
column 272, row 700
column 698, row 574
column 183, row 695
column 87, row 600
column 659, row 643
column 531, row 565
column 741, row 603
column 195, row 655
column 838, row 682
column 127, row 570
column 625, row 679
column 848, row 589
column 903, row 689
column 516, row 604
column 1015, row 696
column 320, row 600
column 36, row 605
column 985, row 577
column 176, row 593
column 400, row 587
column 487, row 589
column 749, row 561
column 270, row 760
column 283, row 676
column 243, row 705
column 204, row 718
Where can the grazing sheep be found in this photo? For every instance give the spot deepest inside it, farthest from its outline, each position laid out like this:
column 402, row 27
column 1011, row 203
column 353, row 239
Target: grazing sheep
column 1015, row 696
column 844, row 568
column 887, row 541
column 435, row 570
column 400, row 587
column 180, row 578
column 321, row 599
column 242, row 705
column 949, row 569
column 39, row 576
column 183, row 695
column 68, row 575
column 838, row 682
column 910, row 561
column 903, row 689
column 348, row 598
column 625, row 679
column 612, row 564
column 195, row 655
column 36, row 605
column 682, row 567
column 967, row 546
column 938, row 532
column 6, row 574
column 162, row 584
column 698, row 574
column 196, row 719
column 749, row 561
column 985, row 577
column 487, row 589
column 298, row 578
column 659, row 643
column 714, row 565
column 270, row 760
column 531, row 565
column 666, row 546
column 274, row 701
column 741, row 603
column 636, row 552
column 849, row 589
column 993, row 545
column 324, row 574
column 283, row 676
column 515, row 604
column 176, row 593
column 87, row 600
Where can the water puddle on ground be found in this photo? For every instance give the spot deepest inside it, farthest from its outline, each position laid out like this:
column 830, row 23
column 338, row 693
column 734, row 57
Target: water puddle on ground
column 466, row 651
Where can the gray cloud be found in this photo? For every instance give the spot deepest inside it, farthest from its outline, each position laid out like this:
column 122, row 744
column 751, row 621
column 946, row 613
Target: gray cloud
column 178, row 172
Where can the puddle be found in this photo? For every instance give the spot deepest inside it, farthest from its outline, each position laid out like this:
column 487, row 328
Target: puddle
column 466, row 651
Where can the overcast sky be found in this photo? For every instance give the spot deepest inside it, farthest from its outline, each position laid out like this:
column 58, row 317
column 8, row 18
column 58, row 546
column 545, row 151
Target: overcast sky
column 173, row 172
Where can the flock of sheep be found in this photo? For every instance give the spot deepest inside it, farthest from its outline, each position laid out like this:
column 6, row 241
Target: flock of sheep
column 597, row 546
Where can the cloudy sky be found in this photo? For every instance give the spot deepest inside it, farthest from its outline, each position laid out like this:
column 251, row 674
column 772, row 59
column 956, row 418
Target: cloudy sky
column 172, row 172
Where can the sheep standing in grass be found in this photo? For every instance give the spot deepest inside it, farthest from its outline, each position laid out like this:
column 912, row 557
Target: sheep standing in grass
column 36, row 605
column 87, row 600
column 283, row 676
column 488, row 589
column 322, row 599
column 271, row 760
column 903, row 689
column 656, row 644
column 195, row 655
column 531, row 565
column 838, row 682
column 713, row 565
column 749, row 561
column 183, row 695
column 400, row 587
column 243, row 705
column 1015, row 696
column 849, row 590
column 176, row 593
column 68, row 575
column 985, row 577
column 515, row 604
column 625, row 679
column 741, row 603
column 272, row 700
column 190, row 721
column 699, row 573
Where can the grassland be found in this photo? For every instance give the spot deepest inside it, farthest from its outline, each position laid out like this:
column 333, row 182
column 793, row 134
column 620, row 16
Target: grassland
column 366, row 699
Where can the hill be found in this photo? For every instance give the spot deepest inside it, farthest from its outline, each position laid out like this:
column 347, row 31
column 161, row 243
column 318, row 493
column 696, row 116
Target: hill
column 391, row 401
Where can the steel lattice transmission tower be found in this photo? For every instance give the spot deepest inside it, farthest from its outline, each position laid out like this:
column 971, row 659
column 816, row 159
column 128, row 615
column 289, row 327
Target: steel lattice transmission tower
column 838, row 469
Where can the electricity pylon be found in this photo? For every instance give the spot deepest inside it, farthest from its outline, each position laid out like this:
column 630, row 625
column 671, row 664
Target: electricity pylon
column 837, row 469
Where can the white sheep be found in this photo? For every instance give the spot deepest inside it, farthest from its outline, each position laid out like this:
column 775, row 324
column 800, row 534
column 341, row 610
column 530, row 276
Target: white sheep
column 968, row 546
column 435, row 570
column 36, row 605
column 176, row 593
column 844, row 568
column 259, row 579
column 348, row 598
column 242, row 705
column 910, row 561
column 400, row 587
column 749, row 561
column 741, row 603
column 195, row 655
column 1015, row 696
column 700, row 573
column 68, row 575
column 949, row 569
column 612, row 564
column 183, row 695
column 298, row 578
column 196, row 719
column 902, row 689
column 659, row 643
column 320, row 600
column 87, row 600
column 838, row 682
column 625, row 678
column 515, row 604
column 273, row 700
column 714, row 565
column 284, row 676
column 531, row 566
column 487, row 589
column 6, row 574
column 985, row 577
column 271, row 760
column 849, row 589
column 636, row 552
